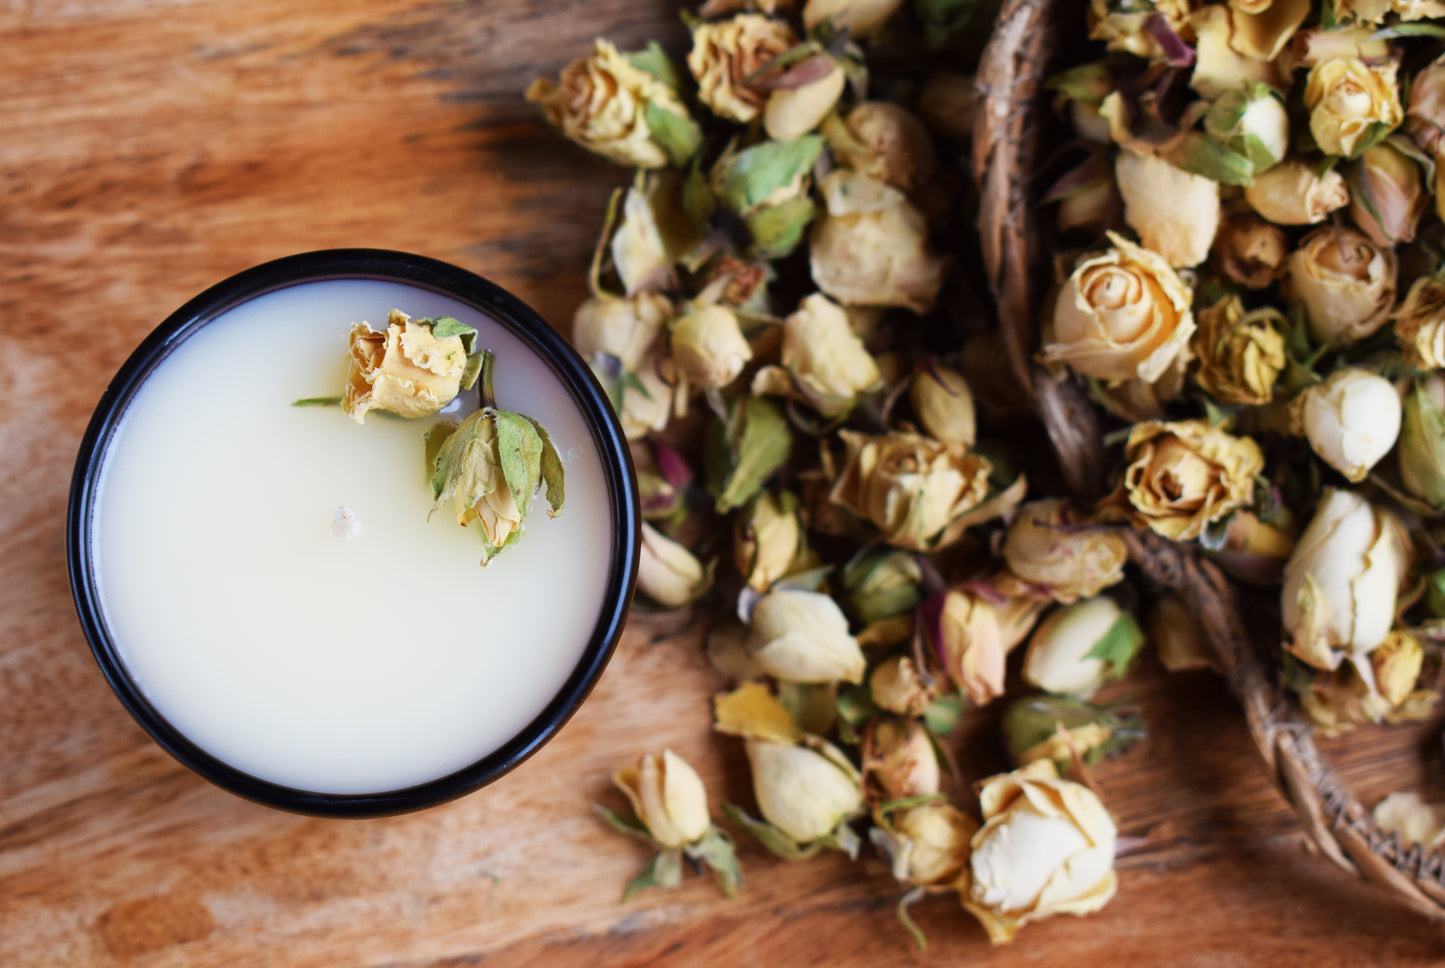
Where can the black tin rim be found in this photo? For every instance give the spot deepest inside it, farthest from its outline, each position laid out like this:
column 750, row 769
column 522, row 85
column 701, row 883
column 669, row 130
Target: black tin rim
column 425, row 273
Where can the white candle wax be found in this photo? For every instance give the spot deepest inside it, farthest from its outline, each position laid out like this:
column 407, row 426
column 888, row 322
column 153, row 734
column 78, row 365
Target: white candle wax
column 271, row 581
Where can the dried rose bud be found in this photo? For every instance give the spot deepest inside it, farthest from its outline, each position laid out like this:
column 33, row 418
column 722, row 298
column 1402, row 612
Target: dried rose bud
column 1123, row 313
column 896, row 686
column 1295, row 192
column 1425, row 118
column 1128, row 28
column 1374, row 12
column 1048, row 545
column 1263, row 27
column 1078, row 648
column 1341, row 582
column 1181, row 476
column 628, row 329
column 414, row 368
column 943, row 404
column 948, row 102
column 766, row 185
column 1387, row 198
column 1046, row 847
column 1218, row 66
column 1419, row 324
column 1249, row 251
column 726, row 53
column 824, row 363
column 882, row 583
column 1240, row 354
column 794, row 111
column 708, row 346
column 802, row 636
column 1251, row 121
column 620, row 111
column 918, row 492
column 1351, row 420
column 647, row 406
column 1175, row 213
column 1343, row 281
column 926, row 845
column 875, row 256
column 667, row 572
column 1254, row 551
column 769, row 542
column 804, row 790
column 1352, row 104
column 859, row 18
column 884, row 141
column 972, row 645
column 1422, row 440
column 668, row 797
column 899, row 759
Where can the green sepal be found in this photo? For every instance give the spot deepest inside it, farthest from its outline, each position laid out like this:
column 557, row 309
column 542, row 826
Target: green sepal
column 653, row 60
column 626, row 825
column 769, row 836
column 1088, row 83
column 943, row 714
column 744, row 451
column 768, row 173
column 664, row 871
column 320, row 402
column 554, row 477
column 1200, row 154
column 1119, row 645
column 676, row 134
column 1409, row 30
column 777, row 229
column 445, row 326
column 716, row 850
column 519, row 450
column 432, row 440
column 1032, row 720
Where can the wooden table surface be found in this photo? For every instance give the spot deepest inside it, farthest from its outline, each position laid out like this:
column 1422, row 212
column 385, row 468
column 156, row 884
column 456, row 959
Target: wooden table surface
column 149, row 148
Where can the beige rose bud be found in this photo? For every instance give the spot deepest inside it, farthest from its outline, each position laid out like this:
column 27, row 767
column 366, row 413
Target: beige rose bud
column 824, row 363
column 896, row 686
column 916, row 491
column 668, row 797
column 1046, row 847
column 647, row 407
column 1240, row 354
column 1375, row 11
column 943, row 404
column 405, row 369
column 1294, row 192
column 927, row 845
column 1183, row 475
column 708, row 346
column 1410, row 818
column 1341, row 582
column 878, row 257
column 627, row 329
column 805, row 791
column 899, row 760
column 1351, row 103
column 725, row 53
column 601, row 102
column 948, row 102
column 1059, row 657
column 1251, row 121
column 792, row 112
column 1218, row 66
column 859, row 18
column 667, row 572
column 1123, row 313
column 1351, row 420
column 1425, row 117
column 802, row 636
column 1343, row 281
column 769, row 541
column 1388, row 198
column 973, row 645
column 1263, row 27
column 883, row 140
column 1419, row 323
column 1249, row 251
column 1049, row 546
column 1175, row 213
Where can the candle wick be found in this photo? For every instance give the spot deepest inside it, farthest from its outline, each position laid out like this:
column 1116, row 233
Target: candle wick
column 489, row 397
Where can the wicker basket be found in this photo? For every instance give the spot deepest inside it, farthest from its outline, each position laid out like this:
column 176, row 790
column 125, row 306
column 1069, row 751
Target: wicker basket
column 1012, row 118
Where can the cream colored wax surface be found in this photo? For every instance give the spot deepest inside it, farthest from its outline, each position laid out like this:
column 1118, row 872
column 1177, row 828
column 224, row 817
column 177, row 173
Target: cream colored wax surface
column 283, row 646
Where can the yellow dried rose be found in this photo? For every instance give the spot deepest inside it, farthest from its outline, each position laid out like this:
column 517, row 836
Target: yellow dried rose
column 899, row 760
column 769, row 542
column 1183, row 475
column 1296, row 192
column 927, row 844
column 1420, row 324
column 1046, row 847
column 792, row 112
column 802, row 636
column 885, row 141
column 726, row 53
column 1375, row 11
column 1240, row 354
column 943, row 404
column 1263, row 27
column 1123, row 313
column 1176, row 213
column 918, row 492
column 409, row 369
column 1218, row 66
column 1125, row 27
column 806, row 790
column 647, row 405
column 1352, row 104
column 668, row 797
column 977, row 626
column 824, row 363
column 1343, row 281
column 620, row 111
column 708, row 346
column 1048, row 545
column 897, row 686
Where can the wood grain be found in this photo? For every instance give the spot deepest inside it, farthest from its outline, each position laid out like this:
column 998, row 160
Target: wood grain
column 151, row 148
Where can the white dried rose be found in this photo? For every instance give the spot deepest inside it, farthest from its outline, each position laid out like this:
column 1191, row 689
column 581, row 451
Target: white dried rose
column 805, row 790
column 1351, row 420
column 802, row 636
column 1343, row 281
column 708, row 346
column 668, row 797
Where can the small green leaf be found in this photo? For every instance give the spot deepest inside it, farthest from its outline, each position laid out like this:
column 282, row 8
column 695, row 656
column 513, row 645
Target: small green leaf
column 942, row 715
column 1202, row 155
column 664, row 871
column 436, row 435
column 553, row 475
column 1119, row 645
column 717, row 852
column 767, row 173
column 769, row 836
column 654, row 60
column 777, row 229
column 519, row 449
column 625, row 825
column 677, row 134
column 755, row 443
